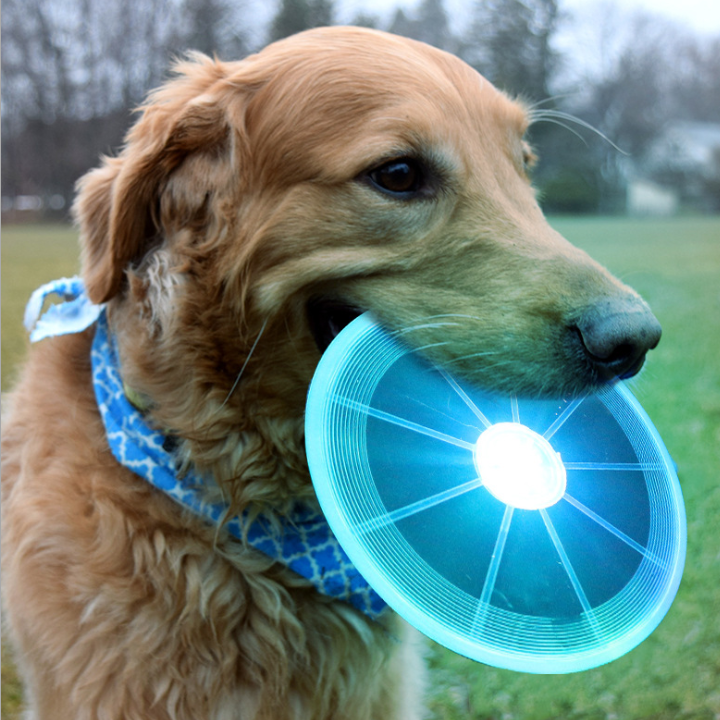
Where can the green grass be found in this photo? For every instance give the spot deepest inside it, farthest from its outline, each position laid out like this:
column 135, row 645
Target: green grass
column 31, row 256
column 675, row 673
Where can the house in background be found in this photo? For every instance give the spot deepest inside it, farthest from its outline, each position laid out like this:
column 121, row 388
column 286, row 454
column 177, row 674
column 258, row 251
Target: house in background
column 645, row 197
column 682, row 171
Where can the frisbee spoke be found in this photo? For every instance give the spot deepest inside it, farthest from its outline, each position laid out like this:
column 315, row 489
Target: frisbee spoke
column 465, row 398
column 567, row 565
column 496, row 558
column 419, row 506
column 640, row 467
column 614, row 530
column 563, row 417
column 515, row 409
column 492, row 571
column 402, row 422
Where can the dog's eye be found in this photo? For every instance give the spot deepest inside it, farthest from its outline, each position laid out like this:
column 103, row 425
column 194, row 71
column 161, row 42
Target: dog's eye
column 398, row 177
column 529, row 157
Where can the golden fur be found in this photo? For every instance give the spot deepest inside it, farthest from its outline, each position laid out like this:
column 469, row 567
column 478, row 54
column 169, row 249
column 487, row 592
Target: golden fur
column 241, row 194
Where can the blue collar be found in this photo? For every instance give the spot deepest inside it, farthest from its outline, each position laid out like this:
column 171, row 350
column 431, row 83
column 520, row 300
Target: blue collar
column 305, row 544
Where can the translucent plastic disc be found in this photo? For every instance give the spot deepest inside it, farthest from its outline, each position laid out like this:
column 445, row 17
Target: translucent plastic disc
column 544, row 536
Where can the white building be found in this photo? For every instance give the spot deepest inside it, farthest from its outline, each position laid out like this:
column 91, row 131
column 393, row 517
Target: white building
column 689, row 152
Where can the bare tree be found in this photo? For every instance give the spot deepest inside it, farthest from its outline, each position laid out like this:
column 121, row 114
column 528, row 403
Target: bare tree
column 695, row 82
column 73, row 70
column 510, row 42
column 294, row 16
column 429, row 24
column 433, row 24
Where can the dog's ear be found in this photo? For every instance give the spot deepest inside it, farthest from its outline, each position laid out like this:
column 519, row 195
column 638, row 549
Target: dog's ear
column 117, row 206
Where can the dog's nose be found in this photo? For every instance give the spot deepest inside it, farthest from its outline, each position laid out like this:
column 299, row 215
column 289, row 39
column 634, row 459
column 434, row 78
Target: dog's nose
column 616, row 335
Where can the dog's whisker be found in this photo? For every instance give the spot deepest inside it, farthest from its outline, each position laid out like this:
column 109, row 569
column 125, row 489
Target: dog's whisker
column 550, row 99
column 485, row 353
column 242, row 369
column 566, row 127
column 548, row 115
column 431, row 345
column 424, row 323
column 473, row 356
column 449, row 315
column 425, row 326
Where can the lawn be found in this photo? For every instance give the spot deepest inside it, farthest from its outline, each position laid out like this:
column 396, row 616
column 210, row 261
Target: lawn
column 31, row 256
column 674, row 674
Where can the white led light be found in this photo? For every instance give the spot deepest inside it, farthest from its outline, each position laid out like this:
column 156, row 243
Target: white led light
column 519, row 467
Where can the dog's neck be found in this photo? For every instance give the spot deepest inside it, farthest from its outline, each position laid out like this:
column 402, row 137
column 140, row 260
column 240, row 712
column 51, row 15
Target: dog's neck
column 302, row 541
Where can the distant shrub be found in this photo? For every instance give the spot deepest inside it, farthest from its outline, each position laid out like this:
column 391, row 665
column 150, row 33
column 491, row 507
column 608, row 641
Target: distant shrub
column 570, row 191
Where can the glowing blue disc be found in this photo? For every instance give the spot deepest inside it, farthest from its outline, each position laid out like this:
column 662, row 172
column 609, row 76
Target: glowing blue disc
column 544, row 536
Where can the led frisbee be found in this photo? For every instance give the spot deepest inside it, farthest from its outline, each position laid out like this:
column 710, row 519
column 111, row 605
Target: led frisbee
column 544, row 536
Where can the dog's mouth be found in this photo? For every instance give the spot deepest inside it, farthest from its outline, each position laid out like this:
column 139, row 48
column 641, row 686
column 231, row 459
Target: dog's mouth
column 327, row 317
column 612, row 345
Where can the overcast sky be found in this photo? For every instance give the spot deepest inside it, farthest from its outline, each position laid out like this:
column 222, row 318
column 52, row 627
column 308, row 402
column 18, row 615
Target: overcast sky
column 701, row 15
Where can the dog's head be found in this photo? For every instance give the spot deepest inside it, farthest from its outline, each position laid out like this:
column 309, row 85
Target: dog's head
column 258, row 206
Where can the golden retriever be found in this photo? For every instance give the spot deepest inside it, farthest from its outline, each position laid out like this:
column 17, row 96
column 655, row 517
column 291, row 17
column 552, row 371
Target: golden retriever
column 257, row 207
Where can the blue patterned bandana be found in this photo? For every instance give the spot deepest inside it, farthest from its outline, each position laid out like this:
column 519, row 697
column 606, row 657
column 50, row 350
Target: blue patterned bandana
column 306, row 544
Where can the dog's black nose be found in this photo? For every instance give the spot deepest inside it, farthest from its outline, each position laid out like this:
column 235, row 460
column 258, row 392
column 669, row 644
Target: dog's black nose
column 616, row 334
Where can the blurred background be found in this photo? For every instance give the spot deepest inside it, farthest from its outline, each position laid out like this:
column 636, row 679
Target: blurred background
column 73, row 70
column 645, row 202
